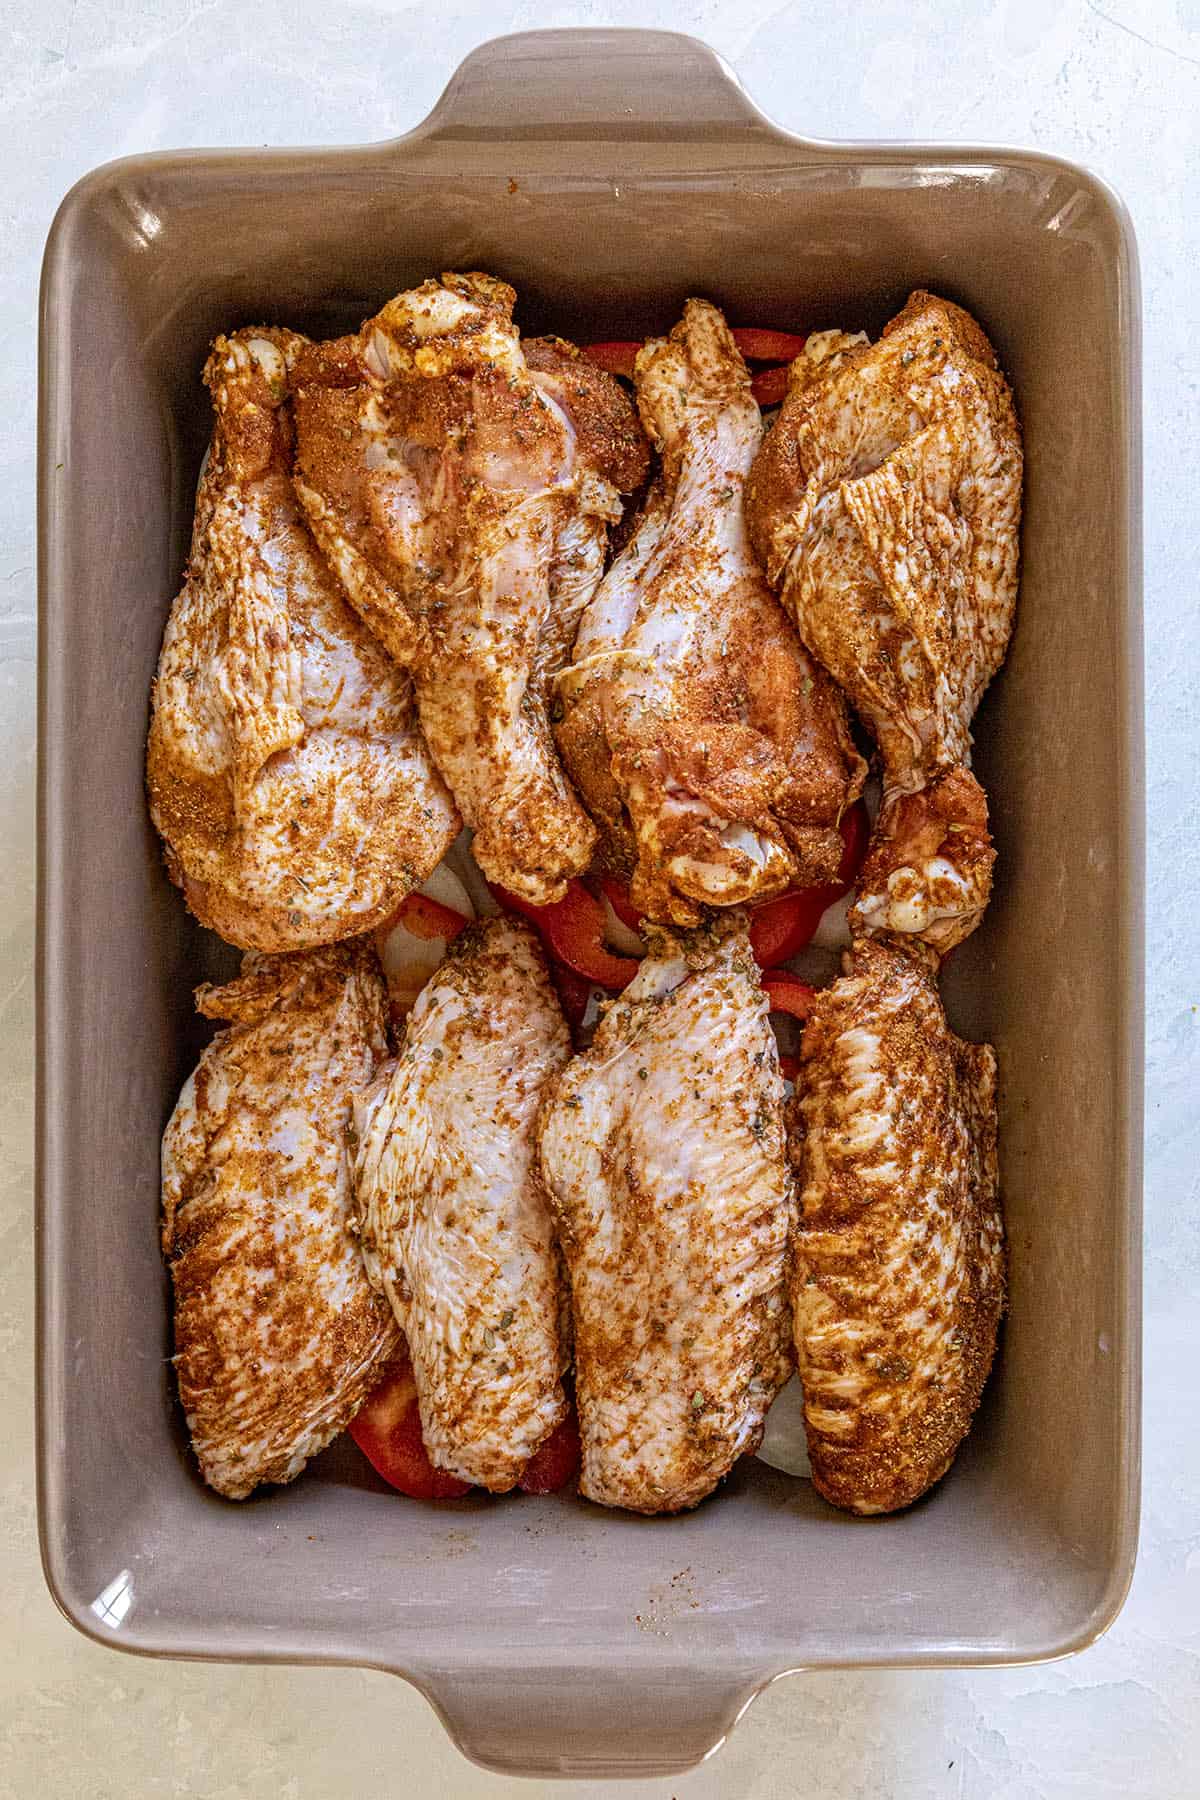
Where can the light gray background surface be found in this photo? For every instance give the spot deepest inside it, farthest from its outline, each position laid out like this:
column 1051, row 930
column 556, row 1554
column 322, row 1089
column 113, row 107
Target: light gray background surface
column 1116, row 86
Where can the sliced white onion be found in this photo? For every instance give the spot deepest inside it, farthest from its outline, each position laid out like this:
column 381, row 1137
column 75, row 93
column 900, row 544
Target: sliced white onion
column 784, row 1444
column 459, row 859
column 408, row 960
column 591, row 1014
column 448, row 889
column 617, row 934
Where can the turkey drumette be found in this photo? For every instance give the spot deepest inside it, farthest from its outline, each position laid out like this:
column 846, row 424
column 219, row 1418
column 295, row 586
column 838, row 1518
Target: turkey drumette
column 898, row 1259
column 885, row 505
column 662, row 1148
column 279, row 1337
column 286, row 769
column 461, row 485
column 713, row 751
column 455, row 1226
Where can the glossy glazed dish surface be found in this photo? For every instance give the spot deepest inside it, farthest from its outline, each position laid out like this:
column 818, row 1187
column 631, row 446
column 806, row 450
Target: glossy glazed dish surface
column 553, row 1637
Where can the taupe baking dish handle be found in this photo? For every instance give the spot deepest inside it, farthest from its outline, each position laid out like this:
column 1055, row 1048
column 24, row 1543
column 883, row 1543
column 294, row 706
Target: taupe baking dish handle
column 594, row 84
column 591, row 1723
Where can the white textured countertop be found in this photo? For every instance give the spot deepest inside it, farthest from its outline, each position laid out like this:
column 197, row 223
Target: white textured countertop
column 1115, row 85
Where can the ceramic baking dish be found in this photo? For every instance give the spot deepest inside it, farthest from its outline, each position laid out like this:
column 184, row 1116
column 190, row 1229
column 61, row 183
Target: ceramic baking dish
column 607, row 175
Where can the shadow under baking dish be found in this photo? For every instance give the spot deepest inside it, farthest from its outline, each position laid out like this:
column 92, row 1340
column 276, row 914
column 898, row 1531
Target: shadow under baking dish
column 607, row 175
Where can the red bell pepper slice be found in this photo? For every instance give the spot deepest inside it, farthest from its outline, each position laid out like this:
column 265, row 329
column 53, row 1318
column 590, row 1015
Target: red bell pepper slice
column 514, row 903
column 770, row 386
column 616, row 355
column 758, row 345
column 855, row 828
column 573, row 930
column 388, row 1432
column 788, row 994
column 780, row 928
column 789, row 1067
column 426, row 918
column 556, row 1461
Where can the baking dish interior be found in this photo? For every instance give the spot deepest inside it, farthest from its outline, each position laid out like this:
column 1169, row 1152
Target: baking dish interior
column 551, row 1634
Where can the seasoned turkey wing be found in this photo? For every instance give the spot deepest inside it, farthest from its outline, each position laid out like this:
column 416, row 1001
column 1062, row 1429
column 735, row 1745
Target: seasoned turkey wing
column 279, row 1337
column 898, row 1259
column 455, row 1226
column 608, row 442
column 885, row 506
column 286, row 769
column 715, row 754
column 461, row 486
column 662, row 1149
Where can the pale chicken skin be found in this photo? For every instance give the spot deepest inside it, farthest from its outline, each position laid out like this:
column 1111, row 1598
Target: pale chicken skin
column 898, row 1268
column 461, row 486
column 286, row 769
column 712, row 749
column 885, row 506
column 455, row 1226
column 279, row 1337
column 662, row 1148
